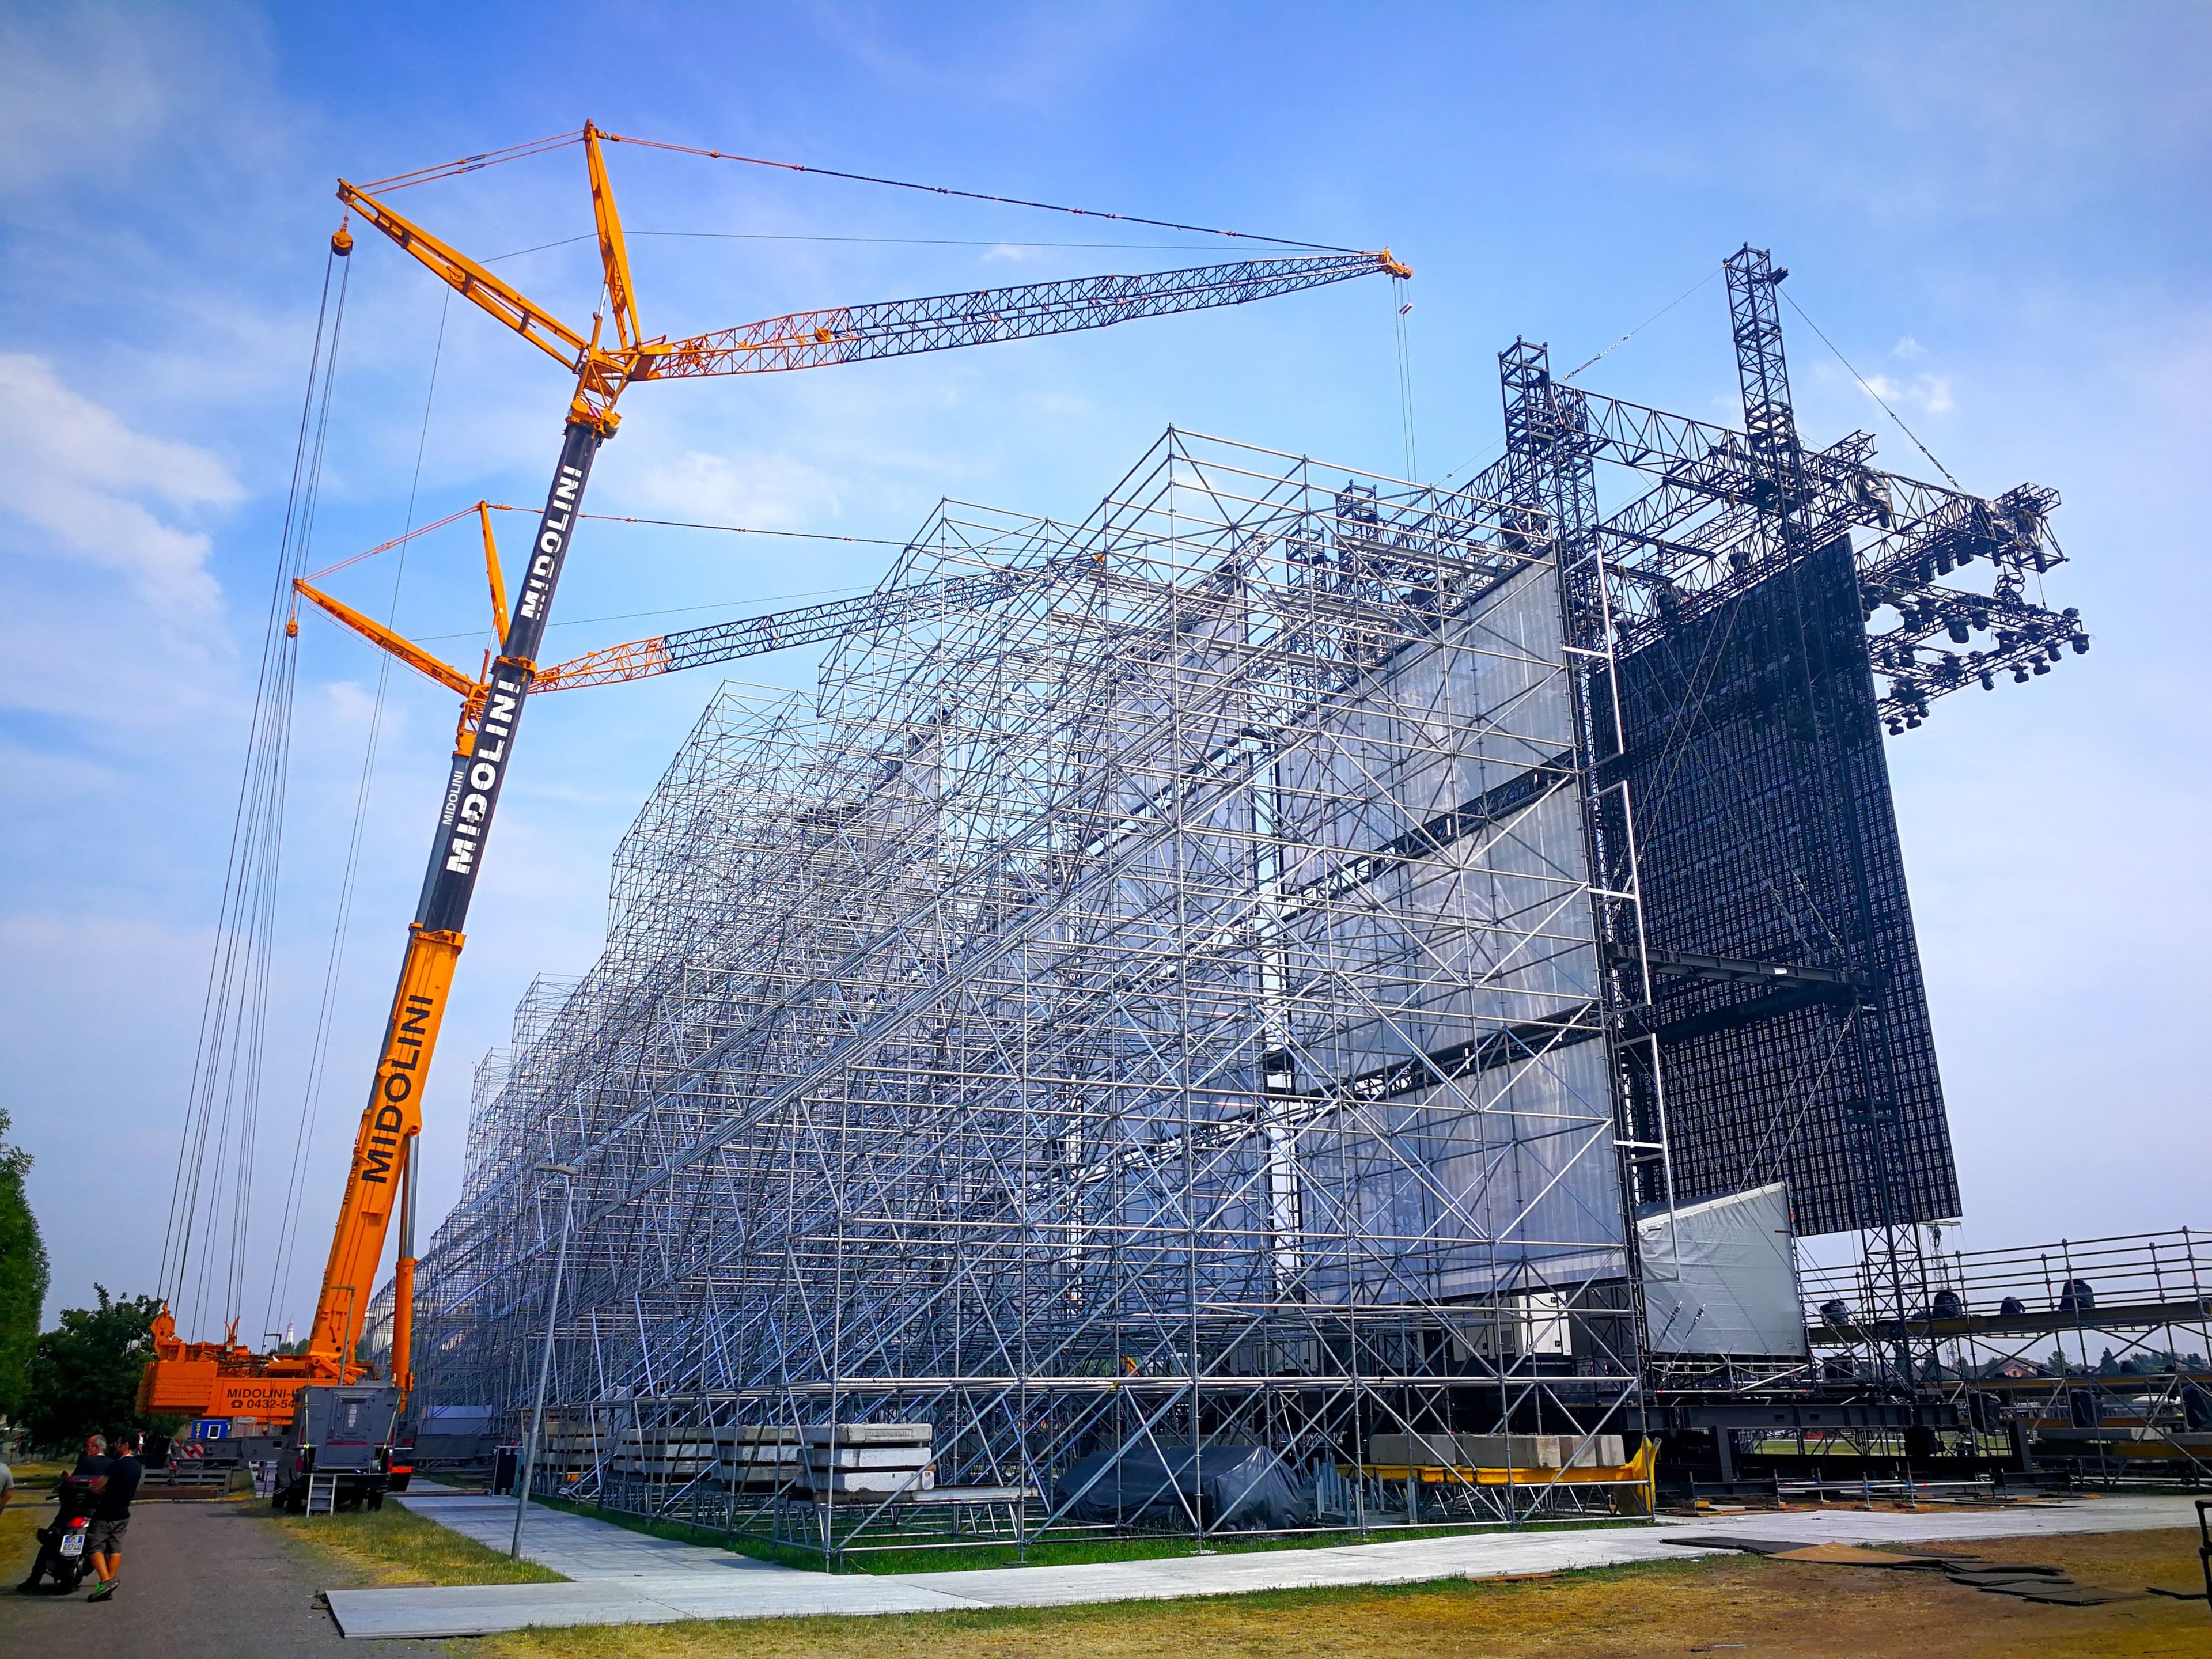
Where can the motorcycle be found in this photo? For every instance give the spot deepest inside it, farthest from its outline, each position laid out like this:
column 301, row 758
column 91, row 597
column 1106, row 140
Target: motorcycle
column 62, row 1554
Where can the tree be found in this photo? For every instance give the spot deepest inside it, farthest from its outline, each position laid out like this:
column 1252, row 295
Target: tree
column 84, row 1375
column 23, row 1277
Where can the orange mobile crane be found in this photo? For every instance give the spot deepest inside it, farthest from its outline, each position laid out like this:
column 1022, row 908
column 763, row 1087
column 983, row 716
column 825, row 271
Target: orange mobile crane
column 226, row 1379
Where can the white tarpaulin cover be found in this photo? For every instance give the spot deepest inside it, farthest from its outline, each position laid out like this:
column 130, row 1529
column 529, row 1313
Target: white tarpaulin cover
column 1719, row 1276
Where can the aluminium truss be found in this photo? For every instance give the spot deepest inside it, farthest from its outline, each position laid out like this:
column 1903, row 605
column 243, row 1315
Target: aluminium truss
column 1723, row 593
column 1145, row 1013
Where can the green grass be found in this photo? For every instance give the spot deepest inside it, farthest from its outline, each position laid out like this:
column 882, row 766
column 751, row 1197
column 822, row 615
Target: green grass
column 1212, row 1624
column 18, row 1522
column 394, row 1546
column 36, row 1477
column 1082, row 1552
column 682, row 1532
column 889, row 1562
column 1797, row 1610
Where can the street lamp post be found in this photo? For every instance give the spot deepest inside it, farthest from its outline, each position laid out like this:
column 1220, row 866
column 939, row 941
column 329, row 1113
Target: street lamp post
column 545, row 1360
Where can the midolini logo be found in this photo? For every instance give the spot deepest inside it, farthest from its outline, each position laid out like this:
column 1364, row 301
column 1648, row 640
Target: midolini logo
column 476, row 781
column 552, row 535
column 395, row 1084
column 474, row 789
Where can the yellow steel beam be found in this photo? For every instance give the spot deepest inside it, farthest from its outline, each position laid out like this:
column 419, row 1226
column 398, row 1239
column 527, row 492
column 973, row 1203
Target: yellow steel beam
column 382, row 637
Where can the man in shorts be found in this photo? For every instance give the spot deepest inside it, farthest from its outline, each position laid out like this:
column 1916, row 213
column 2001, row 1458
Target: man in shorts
column 116, row 1486
column 91, row 1464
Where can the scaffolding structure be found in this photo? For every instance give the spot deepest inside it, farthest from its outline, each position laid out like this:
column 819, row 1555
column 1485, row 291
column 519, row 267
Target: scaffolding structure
column 1726, row 592
column 1144, row 1016
column 2085, row 1356
column 1186, row 1027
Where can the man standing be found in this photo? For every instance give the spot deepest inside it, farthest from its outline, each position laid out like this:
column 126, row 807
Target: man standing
column 116, row 1486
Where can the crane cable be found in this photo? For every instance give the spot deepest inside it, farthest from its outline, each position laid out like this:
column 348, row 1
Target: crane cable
column 979, row 196
column 560, row 140
column 303, row 1137
column 1400, row 309
column 215, row 1148
column 1496, row 449
column 1867, row 386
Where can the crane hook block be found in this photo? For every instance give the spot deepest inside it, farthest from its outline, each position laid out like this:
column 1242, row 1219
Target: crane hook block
column 342, row 241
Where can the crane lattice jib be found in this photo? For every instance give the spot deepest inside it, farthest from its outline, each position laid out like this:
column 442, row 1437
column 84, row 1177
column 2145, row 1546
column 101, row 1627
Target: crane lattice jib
column 852, row 334
column 786, row 630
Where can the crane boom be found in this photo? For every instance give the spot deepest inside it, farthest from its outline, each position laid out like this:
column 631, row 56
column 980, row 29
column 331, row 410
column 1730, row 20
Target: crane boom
column 785, row 631
column 716, row 642
column 857, row 334
column 842, row 334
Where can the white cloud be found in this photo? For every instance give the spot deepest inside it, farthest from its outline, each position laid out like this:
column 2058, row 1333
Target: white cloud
column 1909, row 348
column 349, row 706
column 93, row 484
column 1930, row 393
column 85, row 89
column 67, row 973
column 89, row 88
column 47, row 776
column 772, row 492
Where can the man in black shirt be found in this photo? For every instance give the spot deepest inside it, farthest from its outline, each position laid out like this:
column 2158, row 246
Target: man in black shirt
column 90, row 1465
column 117, row 1485
column 94, row 1460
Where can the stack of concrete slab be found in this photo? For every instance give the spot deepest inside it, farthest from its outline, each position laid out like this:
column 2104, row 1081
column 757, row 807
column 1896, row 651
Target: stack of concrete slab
column 1497, row 1451
column 882, row 1458
column 757, row 1456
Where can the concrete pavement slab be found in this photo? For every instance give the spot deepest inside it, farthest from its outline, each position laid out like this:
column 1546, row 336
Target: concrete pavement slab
column 1493, row 1555
column 695, row 1592
column 576, row 1545
column 482, row 1609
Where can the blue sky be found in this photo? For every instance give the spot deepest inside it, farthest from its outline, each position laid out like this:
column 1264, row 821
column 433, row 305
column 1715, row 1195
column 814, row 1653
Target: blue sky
column 1999, row 212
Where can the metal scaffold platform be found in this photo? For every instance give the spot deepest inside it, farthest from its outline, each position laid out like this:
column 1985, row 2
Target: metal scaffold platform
column 1143, row 1017
column 1301, row 999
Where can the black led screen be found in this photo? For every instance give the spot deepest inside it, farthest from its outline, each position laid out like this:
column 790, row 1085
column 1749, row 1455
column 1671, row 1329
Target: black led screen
column 1766, row 833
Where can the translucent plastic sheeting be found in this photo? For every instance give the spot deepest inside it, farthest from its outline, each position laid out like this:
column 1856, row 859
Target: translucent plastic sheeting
column 1720, row 1276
